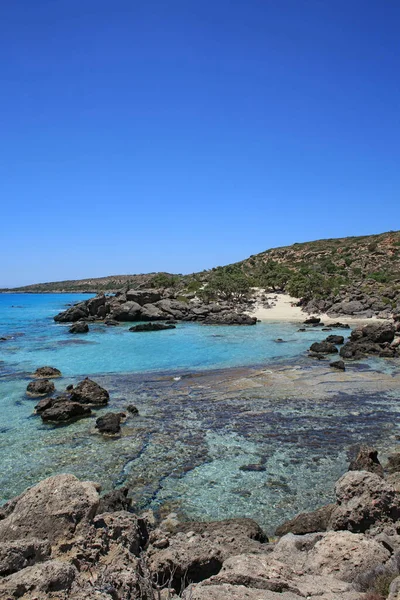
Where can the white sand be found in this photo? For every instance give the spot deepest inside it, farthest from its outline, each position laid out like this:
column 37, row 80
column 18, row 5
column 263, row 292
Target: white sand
column 285, row 309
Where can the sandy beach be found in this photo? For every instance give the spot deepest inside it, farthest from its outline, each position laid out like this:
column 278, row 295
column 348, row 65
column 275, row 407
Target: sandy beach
column 283, row 308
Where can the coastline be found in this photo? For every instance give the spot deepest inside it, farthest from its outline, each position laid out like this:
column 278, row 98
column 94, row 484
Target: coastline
column 284, row 309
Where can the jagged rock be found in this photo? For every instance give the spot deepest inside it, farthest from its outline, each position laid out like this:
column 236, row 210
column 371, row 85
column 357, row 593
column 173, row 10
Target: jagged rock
column 75, row 313
column 323, row 348
column 132, row 409
column 150, row 312
column 47, row 373
column 367, row 460
column 335, row 339
column 143, row 297
column 310, row 522
column 263, row 572
column 96, row 305
column 338, row 364
column 195, row 551
column 114, row 501
column 18, row 554
column 128, row 311
column 60, row 410
column 109, row 423
column 51, row 576
column 50, row 510
column 226, row 591
column 89, row 392
column 363, row 499
column 123, row 527
column 341, row 554
column 378, row 333
column 79, row 327
column 41, row 387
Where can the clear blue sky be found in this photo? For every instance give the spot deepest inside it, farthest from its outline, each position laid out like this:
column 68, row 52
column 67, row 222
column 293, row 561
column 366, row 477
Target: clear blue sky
column 181, row 135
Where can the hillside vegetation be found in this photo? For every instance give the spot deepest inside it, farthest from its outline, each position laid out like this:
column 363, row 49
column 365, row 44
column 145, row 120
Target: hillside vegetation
column 329, row 269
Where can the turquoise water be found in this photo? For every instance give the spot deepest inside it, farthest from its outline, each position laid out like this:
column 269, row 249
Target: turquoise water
column 202, row 415
column 40, row 341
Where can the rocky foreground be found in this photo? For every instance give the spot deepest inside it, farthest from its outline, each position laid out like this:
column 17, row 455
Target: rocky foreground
column 60, row 539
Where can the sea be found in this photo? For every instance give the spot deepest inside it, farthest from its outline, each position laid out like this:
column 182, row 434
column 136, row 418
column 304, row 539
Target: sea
column 232, row 422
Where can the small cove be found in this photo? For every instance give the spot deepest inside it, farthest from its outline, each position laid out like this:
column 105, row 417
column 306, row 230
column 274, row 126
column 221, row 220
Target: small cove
column 213, row 401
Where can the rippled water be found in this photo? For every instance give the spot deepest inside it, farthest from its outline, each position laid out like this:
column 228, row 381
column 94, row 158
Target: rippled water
column 205, row 413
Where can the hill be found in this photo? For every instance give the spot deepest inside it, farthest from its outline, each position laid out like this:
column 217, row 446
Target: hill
column 323, row 273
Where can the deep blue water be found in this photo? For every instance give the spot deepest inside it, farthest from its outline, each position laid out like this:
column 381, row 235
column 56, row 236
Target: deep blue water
column 196, row 428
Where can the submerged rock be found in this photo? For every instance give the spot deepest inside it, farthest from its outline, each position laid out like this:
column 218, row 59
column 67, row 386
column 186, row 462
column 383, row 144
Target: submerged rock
column 109, row 423
column 338, row 364
column 47, row 372
column 323, row 348
column 151, row 327
column 79, row 327
column 41, row 387
column 62, row 410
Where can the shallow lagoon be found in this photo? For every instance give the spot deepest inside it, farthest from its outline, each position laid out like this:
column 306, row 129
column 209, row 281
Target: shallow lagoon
column 205, row 414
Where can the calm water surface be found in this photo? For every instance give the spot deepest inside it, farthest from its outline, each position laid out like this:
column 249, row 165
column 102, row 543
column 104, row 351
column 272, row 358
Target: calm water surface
column 202, row 420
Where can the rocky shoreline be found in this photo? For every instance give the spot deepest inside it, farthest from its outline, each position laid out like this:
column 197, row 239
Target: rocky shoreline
column 152, row 305
column 61, row 539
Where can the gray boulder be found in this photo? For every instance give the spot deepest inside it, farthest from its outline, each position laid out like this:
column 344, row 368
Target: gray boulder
column 310, row 522
column 364, row 499
column 128, row 311
column 143, row 297
column 51, row 510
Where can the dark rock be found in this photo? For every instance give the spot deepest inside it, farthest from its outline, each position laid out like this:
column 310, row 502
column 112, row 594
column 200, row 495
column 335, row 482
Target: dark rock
column 79, row 327
column 254, row 467
column 302, row 329
column 41, row 387
column 316, row 355
column 109, row 423
column 75, row 313
column 132, row 409
column 312, row 321
column 367, row 460
column 310, row 522
column 335, row 339
column 279, row 340
column 20, row 554
column 151, row 327
column 377, row 332
column 47, row 373
column 323, row 348
column 115, row 501
column 143, row 297
column 90, row 392
column 230, row 318
column 128, row 311
column 61, row 411
column 96, row 305
column 338, row 364
column 339, row 325
column 326, row 329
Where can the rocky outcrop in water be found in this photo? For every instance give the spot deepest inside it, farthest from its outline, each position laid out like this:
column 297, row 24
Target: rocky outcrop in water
column 151, row 327
column 110, row 423
column 372, row 339
column 47, row 373
column 41, row 387
column 73, row 404
column 149, row 305
column 60, row 540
